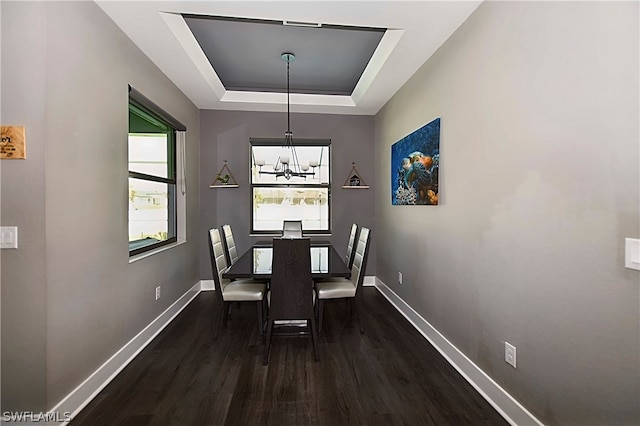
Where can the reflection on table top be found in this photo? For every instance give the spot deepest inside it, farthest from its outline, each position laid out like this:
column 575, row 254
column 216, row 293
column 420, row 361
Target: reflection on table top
column 256, row 262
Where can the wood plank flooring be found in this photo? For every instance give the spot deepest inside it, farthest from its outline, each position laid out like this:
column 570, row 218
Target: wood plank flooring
column 196, row 373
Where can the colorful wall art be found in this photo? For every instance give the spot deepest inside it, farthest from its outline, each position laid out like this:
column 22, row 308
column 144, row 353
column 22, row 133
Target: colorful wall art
column 414, row 167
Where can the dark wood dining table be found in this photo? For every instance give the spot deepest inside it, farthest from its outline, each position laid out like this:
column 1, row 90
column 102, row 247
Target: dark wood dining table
column 255, row 263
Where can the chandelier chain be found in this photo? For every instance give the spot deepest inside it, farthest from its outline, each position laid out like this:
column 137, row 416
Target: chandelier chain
column 288, row 165
column 289, row 134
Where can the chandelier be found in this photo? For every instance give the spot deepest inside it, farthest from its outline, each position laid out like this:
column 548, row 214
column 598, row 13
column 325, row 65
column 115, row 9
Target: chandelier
column 288, row 164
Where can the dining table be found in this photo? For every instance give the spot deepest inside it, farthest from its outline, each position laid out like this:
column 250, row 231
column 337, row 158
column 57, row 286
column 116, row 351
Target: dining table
column 255, row 263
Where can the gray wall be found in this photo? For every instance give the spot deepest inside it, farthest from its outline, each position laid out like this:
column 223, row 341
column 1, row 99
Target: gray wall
column 225, row 136
column 539, row 187
column 70, row 297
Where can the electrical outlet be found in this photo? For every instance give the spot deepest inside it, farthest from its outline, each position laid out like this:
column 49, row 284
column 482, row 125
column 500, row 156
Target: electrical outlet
column 399, row 277
column 510, row 354
column 157, row 292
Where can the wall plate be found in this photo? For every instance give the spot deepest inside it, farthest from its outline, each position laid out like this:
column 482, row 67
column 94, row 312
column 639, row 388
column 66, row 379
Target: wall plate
column 8, row 237
column 632, row 253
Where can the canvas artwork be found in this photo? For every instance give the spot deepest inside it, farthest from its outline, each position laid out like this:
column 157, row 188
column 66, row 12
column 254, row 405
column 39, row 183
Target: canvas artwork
column 414, row 167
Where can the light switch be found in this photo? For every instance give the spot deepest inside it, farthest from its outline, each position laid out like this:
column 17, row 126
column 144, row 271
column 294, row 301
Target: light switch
column 632, row 253
column 8, row 237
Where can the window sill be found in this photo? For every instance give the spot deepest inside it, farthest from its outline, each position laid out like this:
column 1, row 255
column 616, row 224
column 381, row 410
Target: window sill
column 144, row 255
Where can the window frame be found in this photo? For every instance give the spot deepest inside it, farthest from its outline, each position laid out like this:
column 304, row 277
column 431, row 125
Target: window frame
column 158, row 117
column 289, row 184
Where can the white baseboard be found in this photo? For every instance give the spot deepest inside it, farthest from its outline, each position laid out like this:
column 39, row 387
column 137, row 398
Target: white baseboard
column 369, row 281
column 92, row 385
column 505, row 404
column 207, row 285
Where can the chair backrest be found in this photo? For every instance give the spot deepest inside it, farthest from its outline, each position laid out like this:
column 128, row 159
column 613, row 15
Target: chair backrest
column 229, row 245
column 292, row 229
column 351, row 245
column 360, row 257
column 291, row 283
column 218, row 261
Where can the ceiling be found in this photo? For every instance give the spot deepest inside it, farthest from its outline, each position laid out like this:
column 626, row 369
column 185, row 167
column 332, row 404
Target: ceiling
column 350, row 56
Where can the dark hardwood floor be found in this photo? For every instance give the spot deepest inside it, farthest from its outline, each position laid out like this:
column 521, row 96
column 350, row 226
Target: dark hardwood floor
column 191, row 375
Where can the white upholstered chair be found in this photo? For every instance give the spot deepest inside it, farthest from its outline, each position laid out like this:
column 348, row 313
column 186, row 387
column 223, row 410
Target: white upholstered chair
column 346, row 288
column 351, row 245
column 242, row 290
column 229, row 245
column 292, row 229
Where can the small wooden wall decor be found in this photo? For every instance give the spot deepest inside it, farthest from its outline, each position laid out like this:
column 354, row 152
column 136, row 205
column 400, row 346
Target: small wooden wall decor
column 354, row 180
column 224, row 178
column 12, row 143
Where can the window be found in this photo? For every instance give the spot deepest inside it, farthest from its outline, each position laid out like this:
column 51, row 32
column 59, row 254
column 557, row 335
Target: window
column 275, row 198
column 152, row 176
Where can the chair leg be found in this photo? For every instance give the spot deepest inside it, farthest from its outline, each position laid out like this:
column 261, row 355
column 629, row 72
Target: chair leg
column 315, row 306
column 260, row 318
column 218, row 323
column 225, row 313
column 355, row 309
column 314, row 338
column 265, row 318
column 320, row 309
column 267, row 344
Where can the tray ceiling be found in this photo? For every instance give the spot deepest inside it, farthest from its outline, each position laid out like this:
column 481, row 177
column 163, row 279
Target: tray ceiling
column 351, row 57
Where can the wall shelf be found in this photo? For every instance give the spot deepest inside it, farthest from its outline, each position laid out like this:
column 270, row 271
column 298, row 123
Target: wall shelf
column 224, row 179
column 354, row 180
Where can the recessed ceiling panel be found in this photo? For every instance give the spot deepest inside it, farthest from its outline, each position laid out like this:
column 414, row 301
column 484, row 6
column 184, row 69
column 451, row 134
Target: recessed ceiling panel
column 246, row 54
column 408, row 33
